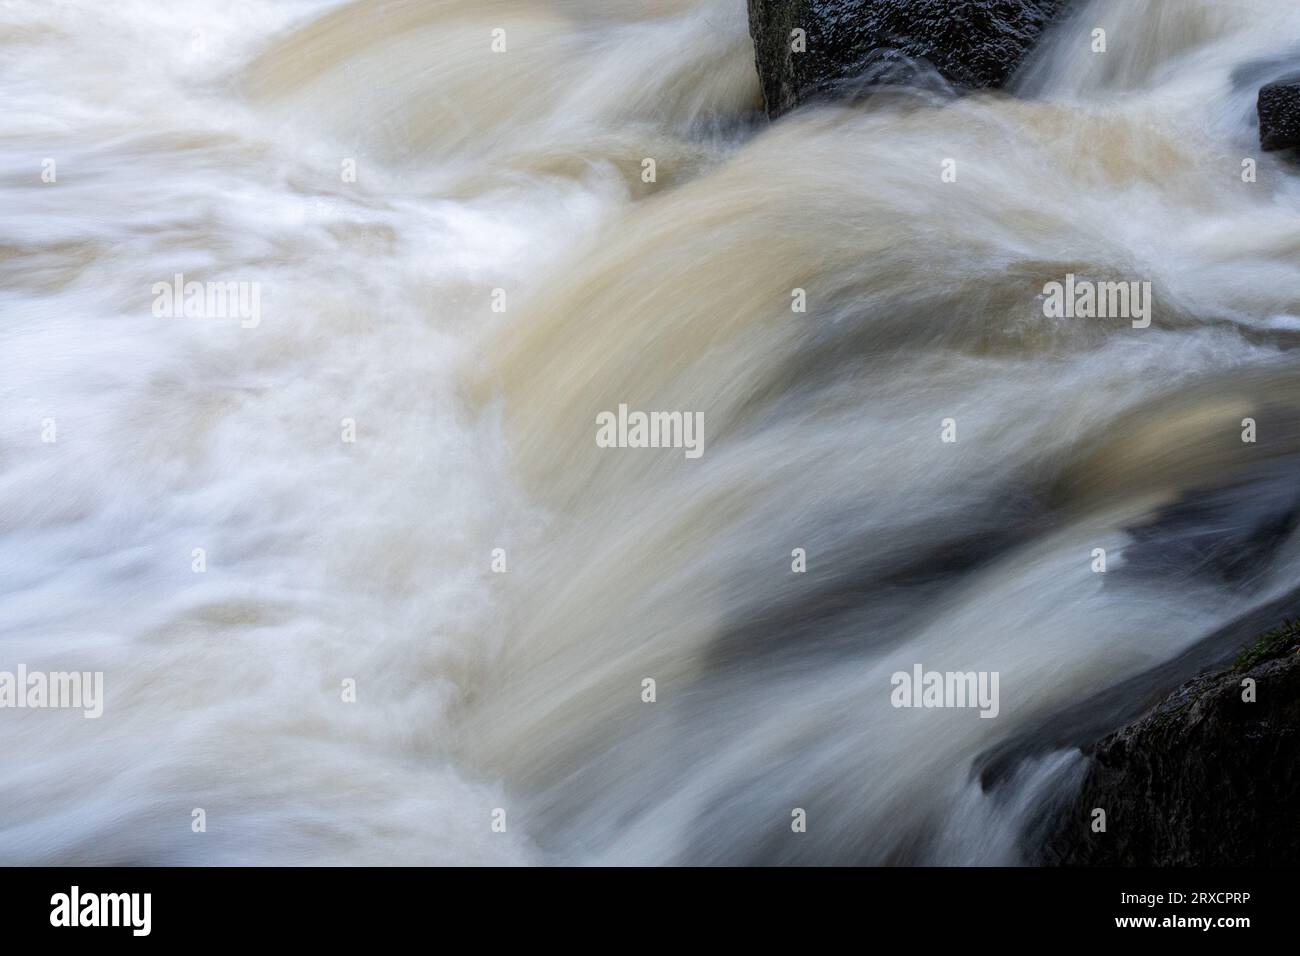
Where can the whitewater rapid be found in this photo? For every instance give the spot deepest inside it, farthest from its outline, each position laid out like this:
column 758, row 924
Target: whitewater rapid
column 496, row 274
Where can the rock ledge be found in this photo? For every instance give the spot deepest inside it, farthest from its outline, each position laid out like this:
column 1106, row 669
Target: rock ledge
column 1203, row 779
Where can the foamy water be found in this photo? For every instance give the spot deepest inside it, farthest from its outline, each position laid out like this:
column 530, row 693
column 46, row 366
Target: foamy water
column 211, row 140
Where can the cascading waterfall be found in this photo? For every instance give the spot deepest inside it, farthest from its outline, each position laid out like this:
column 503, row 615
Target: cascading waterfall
column 189, row 141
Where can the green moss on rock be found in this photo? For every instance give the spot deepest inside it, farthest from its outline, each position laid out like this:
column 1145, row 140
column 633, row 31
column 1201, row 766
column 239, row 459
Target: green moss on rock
column 1276, row 643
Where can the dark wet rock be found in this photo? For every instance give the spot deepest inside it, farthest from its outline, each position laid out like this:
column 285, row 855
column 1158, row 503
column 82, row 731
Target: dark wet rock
column 1279, row 114
column 1205, row 778
column 852, row 45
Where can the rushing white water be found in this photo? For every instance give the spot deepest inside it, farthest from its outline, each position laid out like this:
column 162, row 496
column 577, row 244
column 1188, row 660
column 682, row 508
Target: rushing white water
column 209, row 139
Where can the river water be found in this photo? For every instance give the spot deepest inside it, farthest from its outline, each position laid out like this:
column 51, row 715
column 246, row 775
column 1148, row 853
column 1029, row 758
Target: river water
column 243, row 520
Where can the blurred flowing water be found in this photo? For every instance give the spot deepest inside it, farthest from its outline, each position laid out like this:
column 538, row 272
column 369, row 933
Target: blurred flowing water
column 207, row 139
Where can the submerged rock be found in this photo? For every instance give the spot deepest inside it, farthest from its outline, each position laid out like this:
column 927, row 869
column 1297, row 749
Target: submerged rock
column 1205, row 778
column 1279, row 114
column 848, row 45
